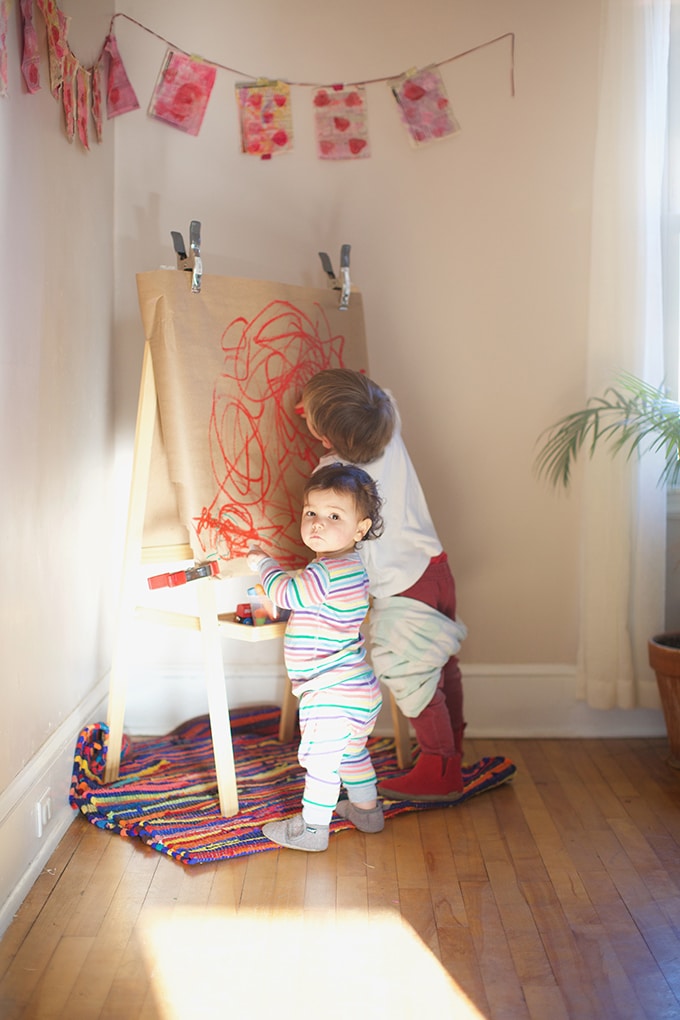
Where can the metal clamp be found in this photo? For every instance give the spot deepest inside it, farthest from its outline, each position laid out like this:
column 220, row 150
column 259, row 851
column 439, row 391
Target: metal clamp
column 195, row 243
column 343, row 284
column 190, row 263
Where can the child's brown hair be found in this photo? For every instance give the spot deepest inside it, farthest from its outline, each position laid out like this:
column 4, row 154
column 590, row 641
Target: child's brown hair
column 351, row 412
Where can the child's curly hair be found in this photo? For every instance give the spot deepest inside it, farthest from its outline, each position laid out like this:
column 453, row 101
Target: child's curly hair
column 352, row 481
column 351, row 412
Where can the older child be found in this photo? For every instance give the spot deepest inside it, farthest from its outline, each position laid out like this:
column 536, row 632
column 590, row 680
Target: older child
column 325, row 657
column 414, row 632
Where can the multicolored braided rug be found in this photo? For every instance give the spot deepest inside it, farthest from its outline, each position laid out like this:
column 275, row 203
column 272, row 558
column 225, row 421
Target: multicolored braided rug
column 166, row 793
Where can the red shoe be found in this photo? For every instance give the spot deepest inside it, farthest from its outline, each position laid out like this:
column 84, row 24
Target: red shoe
column 433, row 778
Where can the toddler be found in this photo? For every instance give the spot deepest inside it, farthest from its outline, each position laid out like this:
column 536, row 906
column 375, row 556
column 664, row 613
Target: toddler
column 325, row 657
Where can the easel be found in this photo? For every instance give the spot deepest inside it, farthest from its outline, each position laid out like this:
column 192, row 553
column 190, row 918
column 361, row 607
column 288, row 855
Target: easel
column 207, row 620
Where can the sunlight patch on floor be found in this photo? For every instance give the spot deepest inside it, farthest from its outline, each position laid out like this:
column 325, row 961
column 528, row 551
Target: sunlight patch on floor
column 290, row 964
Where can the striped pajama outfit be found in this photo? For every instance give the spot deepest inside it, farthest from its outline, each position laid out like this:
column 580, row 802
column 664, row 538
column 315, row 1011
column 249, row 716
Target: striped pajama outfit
column 326, row 661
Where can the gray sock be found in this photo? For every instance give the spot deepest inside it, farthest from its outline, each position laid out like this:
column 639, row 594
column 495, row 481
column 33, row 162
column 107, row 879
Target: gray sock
column 364, row 819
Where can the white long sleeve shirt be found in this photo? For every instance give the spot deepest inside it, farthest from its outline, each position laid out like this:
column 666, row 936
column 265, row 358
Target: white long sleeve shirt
column 400, row 556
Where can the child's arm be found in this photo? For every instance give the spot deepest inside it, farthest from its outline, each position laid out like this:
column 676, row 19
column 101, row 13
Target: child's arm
column 308, row 587
column 295, row 591
column 291, row 591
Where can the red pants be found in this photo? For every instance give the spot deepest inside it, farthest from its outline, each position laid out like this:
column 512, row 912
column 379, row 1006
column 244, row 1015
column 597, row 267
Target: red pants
column 439, row 727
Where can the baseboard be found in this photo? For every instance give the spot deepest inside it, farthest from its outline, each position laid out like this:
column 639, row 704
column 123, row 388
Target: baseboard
column 24, row 853
column 539, row 700
column 535, row 700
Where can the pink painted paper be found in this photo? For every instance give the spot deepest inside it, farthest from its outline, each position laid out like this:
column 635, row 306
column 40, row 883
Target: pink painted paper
column 424, row 106
column 83, row 105
column 120, row 95
column 97, row 100
column 30, row 60
column 341, row 120
column 182, row 92
column 4, row 17
column 68, row 94
column 266, row 118
column 57, row 25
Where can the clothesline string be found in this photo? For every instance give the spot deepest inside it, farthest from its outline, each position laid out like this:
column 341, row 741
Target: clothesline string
column 309, row 84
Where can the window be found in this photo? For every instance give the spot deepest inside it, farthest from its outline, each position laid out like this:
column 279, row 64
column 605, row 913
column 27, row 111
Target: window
column 671, row 232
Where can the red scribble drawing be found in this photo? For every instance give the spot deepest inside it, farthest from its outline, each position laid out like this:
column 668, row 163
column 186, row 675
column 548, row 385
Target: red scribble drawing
column 260, row 449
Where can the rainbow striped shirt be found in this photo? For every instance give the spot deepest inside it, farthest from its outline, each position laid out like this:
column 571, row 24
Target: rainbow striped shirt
column 323, row 644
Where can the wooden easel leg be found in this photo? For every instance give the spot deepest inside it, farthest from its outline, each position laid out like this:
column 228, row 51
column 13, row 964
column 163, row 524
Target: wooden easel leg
column 289, row 710
column 116, row 708
column 120, row 666
column 402, row 737
column 217, row 698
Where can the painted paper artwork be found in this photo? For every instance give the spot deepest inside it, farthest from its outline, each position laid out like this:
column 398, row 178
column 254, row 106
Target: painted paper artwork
column 120, row 95
column 182, row 92
column 341, row 119
column 229, row 370
column 57, row 25
column 266, row 118
column 256, row 440
column 68, row 94
column 424, row 106
column 97, row 100
column 83, row 105
column 30, row 59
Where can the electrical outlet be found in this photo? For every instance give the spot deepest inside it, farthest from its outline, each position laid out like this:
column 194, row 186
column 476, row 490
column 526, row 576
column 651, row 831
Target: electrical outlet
column 43, row 812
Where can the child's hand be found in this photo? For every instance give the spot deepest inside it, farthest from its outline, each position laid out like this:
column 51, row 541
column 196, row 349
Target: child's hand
column 255, row 554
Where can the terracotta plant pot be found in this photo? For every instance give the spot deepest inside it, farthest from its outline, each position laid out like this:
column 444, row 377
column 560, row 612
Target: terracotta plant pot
column 664, row 658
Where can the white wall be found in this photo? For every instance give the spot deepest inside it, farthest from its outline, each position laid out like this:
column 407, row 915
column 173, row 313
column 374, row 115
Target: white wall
column 472, row 256
column 56, row 429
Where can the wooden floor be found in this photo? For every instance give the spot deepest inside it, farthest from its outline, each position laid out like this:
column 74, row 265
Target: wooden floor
column 557, row 895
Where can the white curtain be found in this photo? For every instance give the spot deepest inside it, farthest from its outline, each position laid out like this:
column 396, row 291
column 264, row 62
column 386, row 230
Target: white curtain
column 624, row 515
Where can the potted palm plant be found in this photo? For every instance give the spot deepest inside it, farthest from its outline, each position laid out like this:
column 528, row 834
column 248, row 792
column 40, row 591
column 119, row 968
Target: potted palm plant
column 630, row 417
